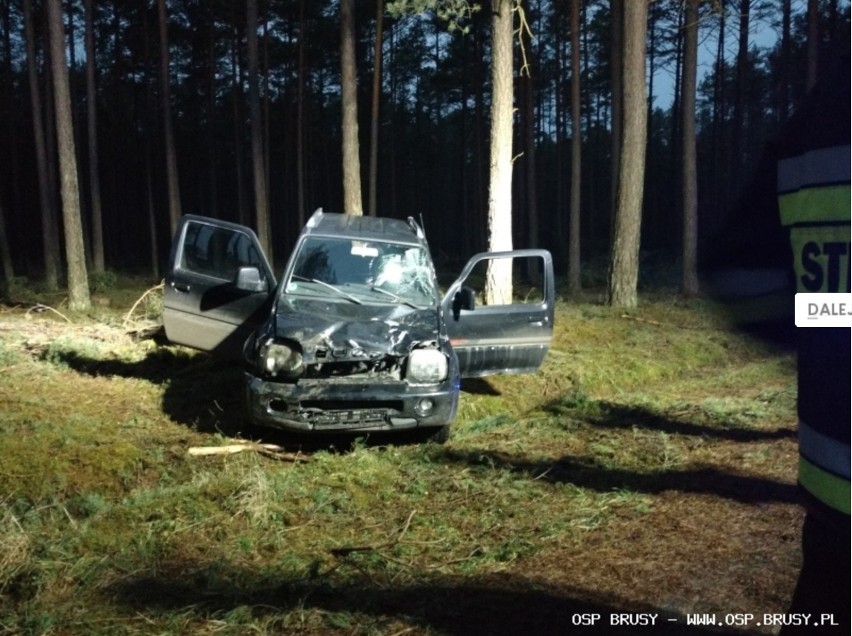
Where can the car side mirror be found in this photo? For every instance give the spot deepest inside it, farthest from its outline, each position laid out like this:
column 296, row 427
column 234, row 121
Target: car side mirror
column 464, row 298
column 249, row 279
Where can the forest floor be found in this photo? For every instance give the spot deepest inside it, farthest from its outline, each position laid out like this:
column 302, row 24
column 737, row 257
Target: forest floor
column 646, row 473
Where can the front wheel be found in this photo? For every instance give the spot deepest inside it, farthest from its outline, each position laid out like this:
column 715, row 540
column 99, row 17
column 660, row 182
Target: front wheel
column 437, row 435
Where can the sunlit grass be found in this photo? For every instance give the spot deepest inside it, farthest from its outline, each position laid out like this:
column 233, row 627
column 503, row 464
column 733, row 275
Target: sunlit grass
column 109, row 526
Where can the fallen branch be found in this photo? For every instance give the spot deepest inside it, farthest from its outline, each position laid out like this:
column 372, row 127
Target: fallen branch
column 40, row 307
column 140, row 299
column 270, row 450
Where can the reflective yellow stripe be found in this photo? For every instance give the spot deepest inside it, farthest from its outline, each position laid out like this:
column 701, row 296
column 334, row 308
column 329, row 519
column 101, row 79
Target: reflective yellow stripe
column 821, row 258
column 830, row 489
column 816, row 205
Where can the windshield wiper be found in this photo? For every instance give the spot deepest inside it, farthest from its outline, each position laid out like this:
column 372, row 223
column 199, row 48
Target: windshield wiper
column 321, row 283
column 394, row 296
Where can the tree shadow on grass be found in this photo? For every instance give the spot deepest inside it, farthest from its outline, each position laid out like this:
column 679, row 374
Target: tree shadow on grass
column 611, row 415
column 199, row 391
column 496, row 605
column 587, row 473
column 205, row 394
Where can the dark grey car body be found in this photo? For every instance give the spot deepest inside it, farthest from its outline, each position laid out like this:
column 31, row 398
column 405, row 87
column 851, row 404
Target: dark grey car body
column 354, row 337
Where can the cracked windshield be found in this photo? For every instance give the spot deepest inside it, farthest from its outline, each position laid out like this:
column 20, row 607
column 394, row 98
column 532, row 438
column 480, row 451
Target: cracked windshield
column 364, row 271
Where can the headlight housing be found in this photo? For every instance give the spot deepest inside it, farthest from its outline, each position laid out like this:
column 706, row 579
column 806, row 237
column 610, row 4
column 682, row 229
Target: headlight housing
column 426, row 366
column 280, row 359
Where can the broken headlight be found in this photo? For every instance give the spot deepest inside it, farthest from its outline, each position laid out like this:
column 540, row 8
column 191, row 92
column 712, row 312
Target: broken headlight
column 426, row 366
column 277, row 358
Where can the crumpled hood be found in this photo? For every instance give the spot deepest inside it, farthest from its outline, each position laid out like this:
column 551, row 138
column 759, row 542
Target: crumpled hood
column 347, row 331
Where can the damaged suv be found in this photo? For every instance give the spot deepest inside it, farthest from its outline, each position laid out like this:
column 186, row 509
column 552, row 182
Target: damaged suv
column 356, row 335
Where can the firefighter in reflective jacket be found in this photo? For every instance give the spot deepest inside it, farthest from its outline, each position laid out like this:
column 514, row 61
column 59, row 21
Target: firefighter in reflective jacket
column 797, row 211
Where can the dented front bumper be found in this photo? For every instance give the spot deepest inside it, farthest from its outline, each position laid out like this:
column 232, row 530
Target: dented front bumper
column 349, row 404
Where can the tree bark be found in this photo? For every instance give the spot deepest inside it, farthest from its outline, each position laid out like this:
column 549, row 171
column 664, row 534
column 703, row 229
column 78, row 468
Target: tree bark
column 261, row 204
column 150, row 116
column 717, row 171
column 75, row 253
column 45, row 190
column 529, row 130
column 12, row 122
column 5, row 253
column 784, row 80
column 478, row 212
column 689, row 283
column 236, row 87
column 153, row 251
column 212, row 186
column 624, row 263
column 352, row 202
column 498, row 286
column 374, row 114
column 738, row 124
column 165, row 95
column 616, row 66
column 812, row 44
column 300, row 120
column 574, row 266
column 92, row 136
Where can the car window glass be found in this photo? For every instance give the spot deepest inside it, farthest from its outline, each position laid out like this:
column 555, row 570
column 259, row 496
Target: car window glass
column 217, row 251
column 527, row 280
column 401, row 271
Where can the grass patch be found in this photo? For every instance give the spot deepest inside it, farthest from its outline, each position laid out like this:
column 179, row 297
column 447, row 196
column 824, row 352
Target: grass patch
column 553, row 495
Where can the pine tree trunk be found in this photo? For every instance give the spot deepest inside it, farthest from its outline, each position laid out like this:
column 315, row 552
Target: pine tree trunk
column 498, row 286
column 94, row 163
column 784, row 92
column 236, row 88
column 738, row 123
column 300, row 120
column 529, row 120
column 812, row 44
column 153, row 253
column 689, row 284
column 717, row 171
column 624, row 263
column 5, row 253
column 261, row 204
column 45, row 191
column 574, row 266
column 12, row 124
column 169, row 138
column 617, row 114
column 150, row 117
column 476, row 215
column 374, row 114
column 352, row 202
column 75, row 253
column 212, row 186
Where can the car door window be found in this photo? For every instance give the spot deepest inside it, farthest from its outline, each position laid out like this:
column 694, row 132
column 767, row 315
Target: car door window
column 217, row 251
column 527, row 281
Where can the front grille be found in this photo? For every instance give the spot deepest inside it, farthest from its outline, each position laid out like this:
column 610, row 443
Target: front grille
column 386, row 367
column 345, row 419
column 326, row 414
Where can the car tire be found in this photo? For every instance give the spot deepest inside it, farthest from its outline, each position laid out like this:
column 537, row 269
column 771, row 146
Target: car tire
column 438, row 435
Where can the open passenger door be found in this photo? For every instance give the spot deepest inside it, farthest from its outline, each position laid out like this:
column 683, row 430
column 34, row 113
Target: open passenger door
column 512, row 337
column 219, row 286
